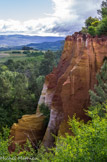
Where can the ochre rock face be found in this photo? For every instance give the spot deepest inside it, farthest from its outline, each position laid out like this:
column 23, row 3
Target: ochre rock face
column 70, row 82
column 28, row 127
column 66, row 89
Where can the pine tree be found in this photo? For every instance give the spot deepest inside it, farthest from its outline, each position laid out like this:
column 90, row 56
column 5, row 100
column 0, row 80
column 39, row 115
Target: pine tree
column 99, row 96
column 103, row 11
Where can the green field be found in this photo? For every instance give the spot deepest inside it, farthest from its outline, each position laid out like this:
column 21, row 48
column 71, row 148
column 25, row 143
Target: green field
column 5, row 55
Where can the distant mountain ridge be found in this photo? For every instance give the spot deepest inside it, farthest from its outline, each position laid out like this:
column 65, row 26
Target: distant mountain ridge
column 47, row 45
column 19, row 40
column 53, row 46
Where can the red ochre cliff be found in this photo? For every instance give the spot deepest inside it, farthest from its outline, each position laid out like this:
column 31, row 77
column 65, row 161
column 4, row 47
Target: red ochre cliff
column 66, row 89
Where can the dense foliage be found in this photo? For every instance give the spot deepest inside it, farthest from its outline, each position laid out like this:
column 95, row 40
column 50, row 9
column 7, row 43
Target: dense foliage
column 89, row 21
column 103, row 11
column 95, row 26
column 92, row 30
column 20, row 87
column 88, row 143
column 20, row 155
column 101, row 29
column 21, row 83
column 44, row 109
column 47, row 64
column 100, row 94
column 17, row 95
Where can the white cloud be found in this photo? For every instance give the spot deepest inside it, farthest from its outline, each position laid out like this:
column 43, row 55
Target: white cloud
column 68, row 17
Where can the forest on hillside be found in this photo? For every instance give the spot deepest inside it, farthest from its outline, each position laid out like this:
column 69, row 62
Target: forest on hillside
column 21, row 82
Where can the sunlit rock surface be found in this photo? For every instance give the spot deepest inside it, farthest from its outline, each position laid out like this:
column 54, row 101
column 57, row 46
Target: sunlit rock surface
column 70, row 82
column 29, row 127
column 66, row 89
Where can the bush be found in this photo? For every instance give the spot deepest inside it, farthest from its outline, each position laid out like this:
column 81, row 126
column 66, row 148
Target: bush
column 40, row 81
column 99, row 95
column 100, row 109
column 102, row 27
column 44, row 109
column 88, row 143
column 15, row 97
column 89, row 21
column 84, row 30
column 35, row 54
column 95, row 23
column 47, row 63
column 103, row 11
column 26, row 52
column 15, row 52
column 92, row 30
column 20, row 154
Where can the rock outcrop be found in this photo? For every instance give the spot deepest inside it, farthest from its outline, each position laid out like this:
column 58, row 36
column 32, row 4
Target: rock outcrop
column 66, row 88
column 70, row 82
column 29, row 127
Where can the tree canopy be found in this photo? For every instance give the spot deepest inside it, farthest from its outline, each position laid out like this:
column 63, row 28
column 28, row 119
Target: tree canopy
column 103, row 11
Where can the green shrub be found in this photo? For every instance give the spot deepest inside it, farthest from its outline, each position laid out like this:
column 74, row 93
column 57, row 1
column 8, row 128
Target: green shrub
column 15, row 97
column 92, row 30
column 99, row 95
column 89, row 21
column 15, row 52
column 35, row 53
column 84, row 30
column 89, row 142
column 95, row 23
column 40, row 81
column 47, row 63
column 19, row 155
column 103, row 11
column 100, row 109
column 44, row 109
column 102, row 27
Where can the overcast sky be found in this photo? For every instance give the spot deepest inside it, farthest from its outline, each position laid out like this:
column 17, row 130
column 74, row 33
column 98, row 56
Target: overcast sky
column 45, row 17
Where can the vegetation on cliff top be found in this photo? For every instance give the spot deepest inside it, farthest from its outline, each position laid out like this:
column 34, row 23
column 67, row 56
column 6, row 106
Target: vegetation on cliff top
column 97, row 26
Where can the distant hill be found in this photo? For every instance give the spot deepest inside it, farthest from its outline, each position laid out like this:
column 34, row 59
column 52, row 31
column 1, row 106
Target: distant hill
column 19, row 40
column 47, row 45
column 53, row 46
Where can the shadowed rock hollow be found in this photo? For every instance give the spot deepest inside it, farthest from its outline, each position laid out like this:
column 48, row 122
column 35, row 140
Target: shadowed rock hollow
column 66, row 88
